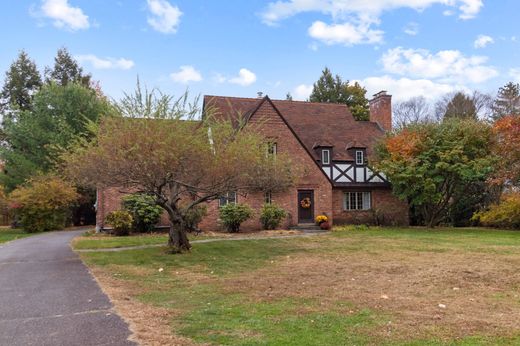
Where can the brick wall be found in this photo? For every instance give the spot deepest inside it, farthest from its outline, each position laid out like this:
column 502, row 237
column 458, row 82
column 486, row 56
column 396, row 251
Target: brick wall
column 385, row 206
column 269, row 123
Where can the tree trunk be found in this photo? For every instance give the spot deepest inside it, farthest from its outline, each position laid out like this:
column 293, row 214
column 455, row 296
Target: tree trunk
column 178, row 238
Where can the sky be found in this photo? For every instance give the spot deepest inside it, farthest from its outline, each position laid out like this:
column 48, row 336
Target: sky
column 240, row 47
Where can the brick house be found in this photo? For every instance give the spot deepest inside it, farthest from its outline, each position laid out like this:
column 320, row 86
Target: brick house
column 332, row 147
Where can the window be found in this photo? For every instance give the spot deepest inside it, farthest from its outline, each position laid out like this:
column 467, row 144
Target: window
column 357, row 201
column 325, row 157
column 360, row 160
column 268, row 198
column 271, row 149
column 230, row 197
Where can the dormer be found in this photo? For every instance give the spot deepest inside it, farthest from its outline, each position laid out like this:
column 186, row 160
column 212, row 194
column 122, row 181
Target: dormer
column 358, row 152
column 324, row 151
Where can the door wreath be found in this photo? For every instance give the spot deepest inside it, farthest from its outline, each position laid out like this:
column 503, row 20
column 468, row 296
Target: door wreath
column 305, row 203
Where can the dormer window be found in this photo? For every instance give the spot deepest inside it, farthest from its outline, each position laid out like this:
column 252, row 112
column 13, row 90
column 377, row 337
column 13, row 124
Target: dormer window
column 325, row 157
column 360, row 157
column 271, row 149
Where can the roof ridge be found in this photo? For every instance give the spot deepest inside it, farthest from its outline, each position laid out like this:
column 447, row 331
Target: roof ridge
column 278, row 100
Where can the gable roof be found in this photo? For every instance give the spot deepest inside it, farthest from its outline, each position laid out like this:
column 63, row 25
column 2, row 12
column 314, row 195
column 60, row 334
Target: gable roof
column 315, row 124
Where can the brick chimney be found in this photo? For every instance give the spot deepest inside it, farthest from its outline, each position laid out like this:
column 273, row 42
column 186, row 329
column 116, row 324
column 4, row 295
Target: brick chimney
column 381, row 110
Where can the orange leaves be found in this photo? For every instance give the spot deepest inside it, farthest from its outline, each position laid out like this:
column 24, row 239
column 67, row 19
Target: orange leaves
column 405, row 144
column 507, row 131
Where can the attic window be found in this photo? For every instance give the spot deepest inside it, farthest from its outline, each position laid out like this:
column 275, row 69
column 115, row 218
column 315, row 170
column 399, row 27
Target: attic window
column 271, row 149
column 360, row 159
column 325, row 157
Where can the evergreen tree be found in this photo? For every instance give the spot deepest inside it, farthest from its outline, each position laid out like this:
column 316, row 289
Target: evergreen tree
column 66, row 69
column 288, row 97
column 332, row 89
column 461, row 106
column 22, row 80
column 507, row 101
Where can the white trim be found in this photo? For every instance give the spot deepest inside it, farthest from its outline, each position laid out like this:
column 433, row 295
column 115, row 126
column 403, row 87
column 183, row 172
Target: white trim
column 358, row 161
column 323, row 161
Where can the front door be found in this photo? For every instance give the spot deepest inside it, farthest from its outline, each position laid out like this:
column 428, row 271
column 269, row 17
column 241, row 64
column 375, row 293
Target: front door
column 305, row 206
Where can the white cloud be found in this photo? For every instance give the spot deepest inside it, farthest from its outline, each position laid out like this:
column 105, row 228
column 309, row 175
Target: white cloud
column 186, row 74
column 244, row 78
column 404, row 88
column 353, row 20
column 164, row 17
column 482, row 41
column 64, row 15
column 302, row 92
column 346, row 33
column 446, row 66
column 411, row 29
column 106, row 63
column 279, row 10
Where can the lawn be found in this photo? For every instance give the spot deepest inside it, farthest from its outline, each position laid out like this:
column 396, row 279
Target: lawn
column 351, row 287
column 8, row 234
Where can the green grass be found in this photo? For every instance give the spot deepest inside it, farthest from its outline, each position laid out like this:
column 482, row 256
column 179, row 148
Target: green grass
column 107, row 241
column 8, row 234
column 208, row 309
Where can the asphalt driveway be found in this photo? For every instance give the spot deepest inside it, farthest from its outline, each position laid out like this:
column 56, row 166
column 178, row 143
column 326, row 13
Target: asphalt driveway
column 48, row 297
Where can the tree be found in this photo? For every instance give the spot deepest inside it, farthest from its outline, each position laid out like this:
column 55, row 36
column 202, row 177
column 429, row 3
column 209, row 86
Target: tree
column 432, row 165
column 59, row 114
column 461, row 105
column 332, row 89
column 66, row 70
column 507, row 130
column 42, row 203
column 411, row 112
column 288, row 97
column 507, row 101
column 22, row 81
column 162, row 150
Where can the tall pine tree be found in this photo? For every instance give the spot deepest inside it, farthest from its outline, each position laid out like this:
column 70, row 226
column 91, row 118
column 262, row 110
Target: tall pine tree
column 22, row 80
column 507, row 101
column 66, row 70
column 332, row 89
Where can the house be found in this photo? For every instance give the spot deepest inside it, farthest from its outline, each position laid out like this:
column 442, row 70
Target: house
column 329, row 143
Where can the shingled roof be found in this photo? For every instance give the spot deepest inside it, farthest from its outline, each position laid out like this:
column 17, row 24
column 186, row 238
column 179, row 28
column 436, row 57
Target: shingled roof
column 315, row 124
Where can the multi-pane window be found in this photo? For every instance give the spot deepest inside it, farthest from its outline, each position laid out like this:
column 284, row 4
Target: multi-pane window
column 325, row 156
column 357, row 201
column 230, row 197
column 271, row 149
column 268, row 198
column 360, row 159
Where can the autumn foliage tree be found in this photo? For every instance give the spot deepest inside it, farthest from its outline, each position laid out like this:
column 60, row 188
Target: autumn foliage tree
column 159, row 148
column 433, row 165
column 507, row 130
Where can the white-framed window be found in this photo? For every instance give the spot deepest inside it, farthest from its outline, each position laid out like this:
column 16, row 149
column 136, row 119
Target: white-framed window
column 268, row 198
column 360, row 157
column 271, row 149
column 357, row 201
column 230, row 197
column 325, row 157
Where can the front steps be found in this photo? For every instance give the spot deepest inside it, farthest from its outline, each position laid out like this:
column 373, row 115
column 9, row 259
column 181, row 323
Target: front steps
column 307, row 228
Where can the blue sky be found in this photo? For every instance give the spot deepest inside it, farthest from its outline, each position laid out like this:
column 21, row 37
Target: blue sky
column 237, row 47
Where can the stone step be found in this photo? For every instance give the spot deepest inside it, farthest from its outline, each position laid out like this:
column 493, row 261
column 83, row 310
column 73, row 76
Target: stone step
column 307, row 228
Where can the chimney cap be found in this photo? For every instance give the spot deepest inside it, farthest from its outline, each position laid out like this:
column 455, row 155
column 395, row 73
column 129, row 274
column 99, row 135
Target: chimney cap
column 379, row 94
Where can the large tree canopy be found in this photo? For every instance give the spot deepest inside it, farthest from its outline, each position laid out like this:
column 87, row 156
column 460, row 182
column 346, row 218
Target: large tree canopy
column 507, row 147
column 160, row 149
column 434, row 165
column 22, row 80
column 59, row 114
column 332, row 89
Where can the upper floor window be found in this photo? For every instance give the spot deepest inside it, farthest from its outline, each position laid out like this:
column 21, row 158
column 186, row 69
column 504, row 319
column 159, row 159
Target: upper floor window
column 360, row 157
column 325, row 157
column 271, row 149
column 230, row 197
column 358, row 201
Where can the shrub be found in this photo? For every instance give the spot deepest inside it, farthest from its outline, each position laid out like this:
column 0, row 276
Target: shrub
column 271, row 216
column 232, row 215
column 503, row 215
column 121, row 222
column 42, row 204
column 194, row 216
column 145, row 212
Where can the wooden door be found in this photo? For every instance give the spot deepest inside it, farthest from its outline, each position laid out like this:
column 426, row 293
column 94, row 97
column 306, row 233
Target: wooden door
column 305, row 206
